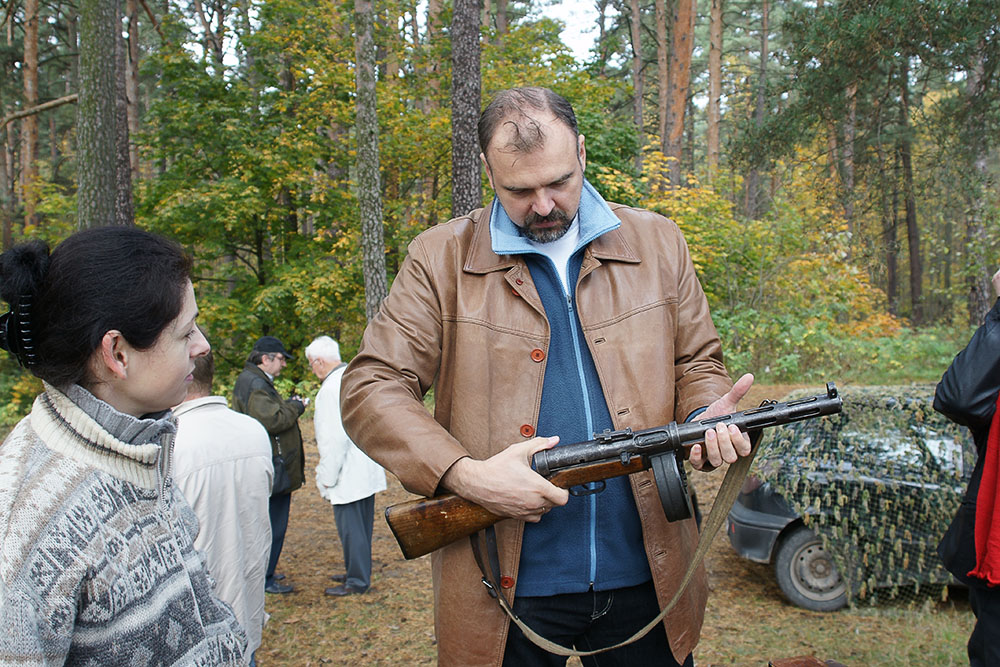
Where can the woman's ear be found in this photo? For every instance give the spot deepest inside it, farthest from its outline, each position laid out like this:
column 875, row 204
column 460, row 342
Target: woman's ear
column 112, row 355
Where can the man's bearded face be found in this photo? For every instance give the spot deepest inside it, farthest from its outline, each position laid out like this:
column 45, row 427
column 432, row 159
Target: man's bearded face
column 546, row 228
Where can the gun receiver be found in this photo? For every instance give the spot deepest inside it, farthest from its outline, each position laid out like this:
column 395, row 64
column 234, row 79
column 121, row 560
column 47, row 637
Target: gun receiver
column 425, row 525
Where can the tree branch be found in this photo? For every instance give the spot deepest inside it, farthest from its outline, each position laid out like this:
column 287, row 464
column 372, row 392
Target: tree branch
column 152, row 18
column 52, row 104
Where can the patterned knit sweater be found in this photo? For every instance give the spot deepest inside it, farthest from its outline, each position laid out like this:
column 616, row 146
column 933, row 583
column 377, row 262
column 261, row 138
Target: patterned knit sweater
column 97, row 558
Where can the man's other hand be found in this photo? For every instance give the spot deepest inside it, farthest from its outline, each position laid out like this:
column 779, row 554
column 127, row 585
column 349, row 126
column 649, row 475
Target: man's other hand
column 505, row 483
column 724, row 443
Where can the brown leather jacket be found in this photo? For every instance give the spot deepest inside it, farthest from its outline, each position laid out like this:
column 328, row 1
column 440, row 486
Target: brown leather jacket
column 470, row 322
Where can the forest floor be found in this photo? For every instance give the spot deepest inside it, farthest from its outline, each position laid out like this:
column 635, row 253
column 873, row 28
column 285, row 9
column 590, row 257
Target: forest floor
column 748, row 621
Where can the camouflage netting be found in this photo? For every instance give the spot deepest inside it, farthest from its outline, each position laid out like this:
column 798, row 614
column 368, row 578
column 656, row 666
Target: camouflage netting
column 879, row 484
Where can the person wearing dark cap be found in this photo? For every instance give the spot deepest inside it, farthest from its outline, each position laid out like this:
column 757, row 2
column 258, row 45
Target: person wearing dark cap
column 254, row 394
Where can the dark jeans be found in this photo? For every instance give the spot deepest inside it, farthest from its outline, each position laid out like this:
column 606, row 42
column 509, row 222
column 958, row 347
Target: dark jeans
column 587, row 621
column 984, row 644
column 278, row 508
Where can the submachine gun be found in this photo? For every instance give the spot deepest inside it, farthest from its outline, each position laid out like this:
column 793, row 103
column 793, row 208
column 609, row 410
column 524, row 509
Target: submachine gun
column 425, row 525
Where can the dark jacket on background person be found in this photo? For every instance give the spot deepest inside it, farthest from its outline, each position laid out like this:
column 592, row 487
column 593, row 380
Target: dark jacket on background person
column 967, row 394
column 254, row 394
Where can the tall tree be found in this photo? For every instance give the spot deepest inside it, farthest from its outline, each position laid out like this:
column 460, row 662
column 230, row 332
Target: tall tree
column 754, row 205
column 638, row 89
column 909, row 197
column 466, row 177
column 679, row 82
column 29, row 125
column 714, row 87
column 98, row 131
column 369, row 188
column 977, row 181
column 662, row 72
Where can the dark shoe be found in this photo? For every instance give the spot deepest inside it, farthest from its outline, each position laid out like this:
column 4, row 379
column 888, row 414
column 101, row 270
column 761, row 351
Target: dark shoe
column 344, row 590
column 339, row 578
column 277, row 588
column 278, row 577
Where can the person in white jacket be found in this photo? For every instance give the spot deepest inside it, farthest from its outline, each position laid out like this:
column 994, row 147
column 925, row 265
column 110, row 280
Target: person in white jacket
column 222, row 465
column 345, row 475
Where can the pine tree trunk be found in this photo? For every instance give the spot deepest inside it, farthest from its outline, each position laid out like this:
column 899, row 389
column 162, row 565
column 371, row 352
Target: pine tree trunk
column 369, row 190
column 662, row 74
column 979, row 181
column 124, row 212
column 910, row 203
column 132, row 84
column 679, row 81
column 466, row 178
column 29, row 125
column 635, row 19
column 97, row 135
column 754, row 205
column 714, row 87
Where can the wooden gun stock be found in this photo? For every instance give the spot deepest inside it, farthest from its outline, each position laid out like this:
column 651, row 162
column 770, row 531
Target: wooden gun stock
column 425, row 525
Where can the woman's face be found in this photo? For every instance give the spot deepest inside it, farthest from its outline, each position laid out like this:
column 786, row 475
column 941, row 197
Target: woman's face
column 158, row 378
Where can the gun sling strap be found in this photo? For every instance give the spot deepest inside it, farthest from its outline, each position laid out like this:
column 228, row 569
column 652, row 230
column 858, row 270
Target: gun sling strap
column 724, row 500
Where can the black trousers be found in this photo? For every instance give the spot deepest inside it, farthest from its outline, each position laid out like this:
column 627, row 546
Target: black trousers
column 984, row 644
column 278, row 508
column 588, row 621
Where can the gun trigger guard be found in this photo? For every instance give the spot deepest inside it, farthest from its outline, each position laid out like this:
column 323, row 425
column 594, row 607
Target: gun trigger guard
column 581, row 490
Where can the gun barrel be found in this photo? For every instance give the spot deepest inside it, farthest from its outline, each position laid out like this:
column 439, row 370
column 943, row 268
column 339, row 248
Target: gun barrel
column 624, row 444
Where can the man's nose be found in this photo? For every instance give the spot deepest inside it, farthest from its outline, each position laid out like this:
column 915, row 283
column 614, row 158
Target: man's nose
column 543, row 204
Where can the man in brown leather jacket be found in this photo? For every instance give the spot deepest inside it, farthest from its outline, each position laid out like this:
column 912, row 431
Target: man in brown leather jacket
column 548, row 316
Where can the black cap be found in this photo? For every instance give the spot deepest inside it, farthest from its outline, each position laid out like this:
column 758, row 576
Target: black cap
column 271, row 345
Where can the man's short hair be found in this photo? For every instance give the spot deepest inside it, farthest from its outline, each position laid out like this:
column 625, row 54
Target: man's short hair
column 323, row 347
column 513, row 106
column 204, row 373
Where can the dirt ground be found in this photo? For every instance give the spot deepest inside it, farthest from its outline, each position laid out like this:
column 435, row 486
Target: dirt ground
column 393, row 623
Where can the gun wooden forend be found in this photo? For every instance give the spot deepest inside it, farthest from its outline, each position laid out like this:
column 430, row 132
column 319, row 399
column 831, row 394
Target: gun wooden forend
column 425, row 525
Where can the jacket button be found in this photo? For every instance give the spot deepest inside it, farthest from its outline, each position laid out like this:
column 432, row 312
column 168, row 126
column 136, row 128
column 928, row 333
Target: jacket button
column 537, row 355
column 527, row 430
column 506, row 582
column 518, row 281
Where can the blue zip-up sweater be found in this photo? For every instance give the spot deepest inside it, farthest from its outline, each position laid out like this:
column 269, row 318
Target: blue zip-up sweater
column 595, row 540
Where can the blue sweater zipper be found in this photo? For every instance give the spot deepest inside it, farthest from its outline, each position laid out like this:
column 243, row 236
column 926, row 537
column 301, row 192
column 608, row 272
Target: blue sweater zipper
column 592, row 499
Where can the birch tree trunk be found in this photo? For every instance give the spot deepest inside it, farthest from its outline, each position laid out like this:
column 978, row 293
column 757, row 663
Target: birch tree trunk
column 369, row 190
column 466, row 178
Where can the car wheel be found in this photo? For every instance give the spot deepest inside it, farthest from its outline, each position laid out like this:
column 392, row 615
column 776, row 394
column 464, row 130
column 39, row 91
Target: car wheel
column 806, row 573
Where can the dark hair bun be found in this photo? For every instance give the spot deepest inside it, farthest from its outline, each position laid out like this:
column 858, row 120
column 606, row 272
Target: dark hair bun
column 22, row 269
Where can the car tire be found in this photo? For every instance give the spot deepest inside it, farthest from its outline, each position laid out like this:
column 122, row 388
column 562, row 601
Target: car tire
column 806, row 573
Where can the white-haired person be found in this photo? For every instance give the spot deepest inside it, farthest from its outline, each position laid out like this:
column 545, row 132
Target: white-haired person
column 345, row 475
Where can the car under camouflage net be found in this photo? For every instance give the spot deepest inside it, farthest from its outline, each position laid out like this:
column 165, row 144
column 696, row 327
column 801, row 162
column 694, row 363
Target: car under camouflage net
column 854, row 504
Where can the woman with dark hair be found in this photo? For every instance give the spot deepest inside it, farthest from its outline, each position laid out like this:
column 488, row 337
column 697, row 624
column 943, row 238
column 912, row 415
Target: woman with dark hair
column 97, row 558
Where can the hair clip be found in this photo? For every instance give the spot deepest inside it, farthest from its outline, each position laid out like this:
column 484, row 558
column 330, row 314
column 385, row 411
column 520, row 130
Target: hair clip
column 17, row 333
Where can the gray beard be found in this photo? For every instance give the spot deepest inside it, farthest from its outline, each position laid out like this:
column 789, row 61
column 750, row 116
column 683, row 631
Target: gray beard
column 547, row 235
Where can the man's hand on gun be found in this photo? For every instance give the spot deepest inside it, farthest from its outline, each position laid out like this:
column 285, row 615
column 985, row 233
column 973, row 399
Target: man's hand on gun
column 724, row 443
column 505, row 483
